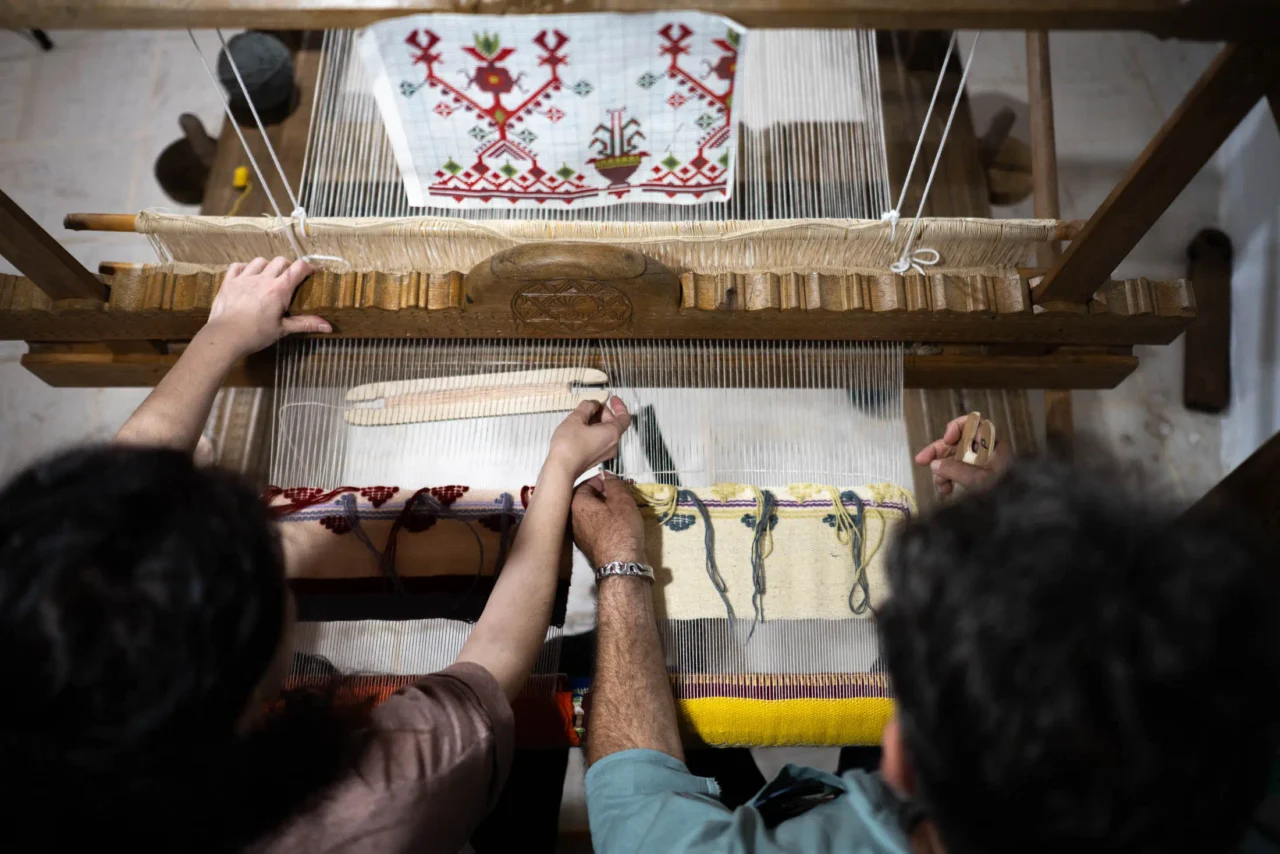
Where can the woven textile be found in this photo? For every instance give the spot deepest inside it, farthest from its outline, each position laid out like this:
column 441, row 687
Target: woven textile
column 767, row 623
column 806, row 567
column 558, row 111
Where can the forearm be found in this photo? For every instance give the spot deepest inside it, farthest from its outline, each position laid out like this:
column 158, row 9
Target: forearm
column 631, row 703
column 511, row 630
column 174, row 414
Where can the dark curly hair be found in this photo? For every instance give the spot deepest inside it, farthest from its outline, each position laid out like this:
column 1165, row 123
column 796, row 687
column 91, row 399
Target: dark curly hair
column 1078, row 670
column 141, row 602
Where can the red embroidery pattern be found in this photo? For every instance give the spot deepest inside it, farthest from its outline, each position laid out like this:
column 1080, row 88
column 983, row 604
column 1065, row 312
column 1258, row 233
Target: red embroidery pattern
column 505, row 101
column 481, row 179
column 702, row 173
column 446, row 495
column 337, row 524
column 300, row 498
column 378, row 495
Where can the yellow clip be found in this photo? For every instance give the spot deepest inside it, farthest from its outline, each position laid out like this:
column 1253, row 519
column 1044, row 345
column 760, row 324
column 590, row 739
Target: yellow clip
column 240, row 178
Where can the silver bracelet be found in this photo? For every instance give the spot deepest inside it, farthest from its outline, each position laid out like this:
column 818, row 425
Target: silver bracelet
column 626, row 568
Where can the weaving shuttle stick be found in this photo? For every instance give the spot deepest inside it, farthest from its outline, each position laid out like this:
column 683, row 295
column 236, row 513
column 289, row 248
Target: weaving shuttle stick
column 476, row 396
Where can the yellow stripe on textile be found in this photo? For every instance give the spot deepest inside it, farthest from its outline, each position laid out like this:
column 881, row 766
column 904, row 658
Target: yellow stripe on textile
column 730, row 721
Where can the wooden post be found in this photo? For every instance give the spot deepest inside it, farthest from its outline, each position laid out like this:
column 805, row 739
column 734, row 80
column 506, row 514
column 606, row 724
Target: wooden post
column 1059, row 424
column 42, row 259
column 1250, row 488
column 1206, row 368
column 1219, row 101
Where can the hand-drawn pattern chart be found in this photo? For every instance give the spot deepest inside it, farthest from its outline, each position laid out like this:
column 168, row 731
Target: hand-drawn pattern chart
column 558, row 111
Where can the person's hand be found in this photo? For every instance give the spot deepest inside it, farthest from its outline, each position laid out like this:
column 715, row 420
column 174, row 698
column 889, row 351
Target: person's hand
column 949, row 471
column 606, row 521
column 248, row 314
column 588, row 436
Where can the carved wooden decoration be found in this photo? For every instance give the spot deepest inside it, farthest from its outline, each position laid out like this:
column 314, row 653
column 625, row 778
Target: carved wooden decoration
column 574, row 289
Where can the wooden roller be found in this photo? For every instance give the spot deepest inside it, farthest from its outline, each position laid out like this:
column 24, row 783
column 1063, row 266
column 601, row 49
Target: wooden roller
column 100, row 222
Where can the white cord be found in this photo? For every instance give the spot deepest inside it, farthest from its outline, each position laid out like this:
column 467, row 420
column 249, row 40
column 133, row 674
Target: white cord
column 894, row 215
column 253, row 161
column 920, row 258
column 298, row 211
column 235, row 69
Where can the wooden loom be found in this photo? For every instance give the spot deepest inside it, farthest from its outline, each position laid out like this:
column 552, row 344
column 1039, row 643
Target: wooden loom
column 1072, row 329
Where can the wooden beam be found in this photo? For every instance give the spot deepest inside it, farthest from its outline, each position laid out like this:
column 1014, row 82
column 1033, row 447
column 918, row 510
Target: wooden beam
column 42, row 259
column 1059, row 422
column 96, row 365
column 1224, row 95
column 1226, row 20
column 155, row 304
column 1251, row 488
column 1063, row 230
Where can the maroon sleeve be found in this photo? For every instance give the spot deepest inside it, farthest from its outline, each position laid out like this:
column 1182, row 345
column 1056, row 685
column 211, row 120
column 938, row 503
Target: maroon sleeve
column 438, row 756
column 462, row 729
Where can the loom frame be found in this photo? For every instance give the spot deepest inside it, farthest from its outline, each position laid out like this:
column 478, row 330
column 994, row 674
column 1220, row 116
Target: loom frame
column 63, row 302
column 1209, row 20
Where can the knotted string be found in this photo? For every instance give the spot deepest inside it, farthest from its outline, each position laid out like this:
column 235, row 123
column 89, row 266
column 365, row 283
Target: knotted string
column 761, row 548
column 432, row 508
column 851, row 532
column 505, row 515
column 709, row 543
column 299, row 212
column 909, row 258
column 917, row 260
column 349, row 512
column 892, row 216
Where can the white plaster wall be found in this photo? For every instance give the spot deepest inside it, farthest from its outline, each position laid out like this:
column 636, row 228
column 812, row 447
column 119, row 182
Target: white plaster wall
column 1250, row 214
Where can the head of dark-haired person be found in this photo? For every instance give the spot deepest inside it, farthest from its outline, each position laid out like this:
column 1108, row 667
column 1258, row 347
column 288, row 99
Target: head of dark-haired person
column 144, row 624
column 1078, row 670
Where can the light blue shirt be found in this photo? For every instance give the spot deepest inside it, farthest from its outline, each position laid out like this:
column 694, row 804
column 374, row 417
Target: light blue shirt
column 646, row 802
